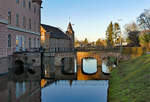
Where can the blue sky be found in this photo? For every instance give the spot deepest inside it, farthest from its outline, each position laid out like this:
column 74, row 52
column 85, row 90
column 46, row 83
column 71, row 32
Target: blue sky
column 91, row 17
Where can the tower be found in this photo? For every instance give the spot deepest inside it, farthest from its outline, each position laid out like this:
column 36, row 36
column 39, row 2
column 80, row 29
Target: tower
column 70, row 33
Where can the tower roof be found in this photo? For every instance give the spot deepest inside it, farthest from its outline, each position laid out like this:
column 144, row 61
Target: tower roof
column 70, row 29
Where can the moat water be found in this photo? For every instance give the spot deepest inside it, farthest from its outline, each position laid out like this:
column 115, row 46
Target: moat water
column 76, row 91
column 83, row 83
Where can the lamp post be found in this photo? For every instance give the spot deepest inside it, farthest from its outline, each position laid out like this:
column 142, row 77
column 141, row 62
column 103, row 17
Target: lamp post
column 42, row 53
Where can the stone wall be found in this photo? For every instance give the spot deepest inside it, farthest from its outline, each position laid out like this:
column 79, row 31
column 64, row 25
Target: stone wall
column 4, row 65
column 3, row 40
column 4, row 88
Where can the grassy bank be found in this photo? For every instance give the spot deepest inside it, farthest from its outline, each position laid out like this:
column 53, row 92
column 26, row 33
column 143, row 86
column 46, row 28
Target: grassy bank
column 130, row 82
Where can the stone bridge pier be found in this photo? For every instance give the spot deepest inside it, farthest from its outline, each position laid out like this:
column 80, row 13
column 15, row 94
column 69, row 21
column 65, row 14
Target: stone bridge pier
column 25, row 61
column 58, row 64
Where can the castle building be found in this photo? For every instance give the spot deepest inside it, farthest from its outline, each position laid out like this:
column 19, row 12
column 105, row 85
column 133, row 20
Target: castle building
column 54, row 39
column 19, row 26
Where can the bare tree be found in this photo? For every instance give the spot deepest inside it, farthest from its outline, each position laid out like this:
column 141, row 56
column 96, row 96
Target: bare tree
column 144, row 19
column 131, row 27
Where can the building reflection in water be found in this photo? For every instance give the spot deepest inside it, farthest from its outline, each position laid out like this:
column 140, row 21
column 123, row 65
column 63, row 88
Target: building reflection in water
column 21, row 90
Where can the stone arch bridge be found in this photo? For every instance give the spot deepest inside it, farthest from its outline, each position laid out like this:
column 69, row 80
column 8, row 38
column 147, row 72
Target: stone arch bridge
column 99, row 57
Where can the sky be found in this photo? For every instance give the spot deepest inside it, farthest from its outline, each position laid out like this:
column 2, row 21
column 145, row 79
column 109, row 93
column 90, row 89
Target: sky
column 90, row 18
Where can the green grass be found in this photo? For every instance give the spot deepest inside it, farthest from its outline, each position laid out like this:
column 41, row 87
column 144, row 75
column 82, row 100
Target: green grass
column 130, row 82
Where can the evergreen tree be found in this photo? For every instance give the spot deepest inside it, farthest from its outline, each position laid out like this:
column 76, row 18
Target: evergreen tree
column 110, row 35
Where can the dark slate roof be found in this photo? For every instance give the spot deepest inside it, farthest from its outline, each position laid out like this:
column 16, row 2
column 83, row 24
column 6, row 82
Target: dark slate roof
column 55, row 32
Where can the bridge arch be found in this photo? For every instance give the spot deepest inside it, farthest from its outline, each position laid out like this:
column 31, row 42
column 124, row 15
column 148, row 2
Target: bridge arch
column 67, row 65
column 63, row 65
column 84, row 69
column 18, row 67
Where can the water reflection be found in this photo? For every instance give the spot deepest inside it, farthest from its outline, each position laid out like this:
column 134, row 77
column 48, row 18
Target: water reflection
column 89, row 65
column 77, row 91
column 105, row 67
column 60, row 68
column 45, row 90
column 62, row 74
column 12, row 90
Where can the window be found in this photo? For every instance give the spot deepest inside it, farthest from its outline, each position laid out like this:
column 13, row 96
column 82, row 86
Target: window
column 29, row 42
column 23, row 43
column 34, row 9
column 30, row 26
column 38, row 45
column 17, row 43
column 17, row 19
column 9, row 17
column 34, row 26
column 24, row 22
column 24, row 3
column 17, row 1
column 9, row 40
column 34, row 42
column 29, row 5
column 20, row 43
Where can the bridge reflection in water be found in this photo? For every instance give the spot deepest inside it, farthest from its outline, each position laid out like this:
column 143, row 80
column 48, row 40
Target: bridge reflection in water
column 80, row 66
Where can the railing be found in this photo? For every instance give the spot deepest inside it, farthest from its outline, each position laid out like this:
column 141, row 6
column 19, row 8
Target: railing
column 26, row 50
column 57, row 51
column 97, row 49
column 4, row 52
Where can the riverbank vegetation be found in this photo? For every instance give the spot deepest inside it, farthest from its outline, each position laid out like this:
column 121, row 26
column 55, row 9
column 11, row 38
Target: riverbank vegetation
column 130, row 82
